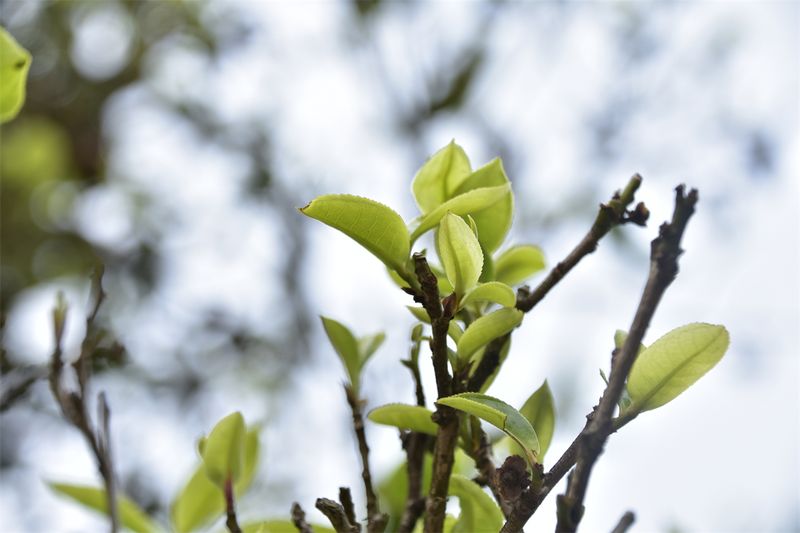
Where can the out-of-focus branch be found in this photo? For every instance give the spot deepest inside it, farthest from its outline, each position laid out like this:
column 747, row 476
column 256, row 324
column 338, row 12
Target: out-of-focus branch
column 299, row 519
column 624, row 523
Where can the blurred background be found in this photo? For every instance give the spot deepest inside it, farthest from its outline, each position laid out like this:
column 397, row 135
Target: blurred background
column 172, row 141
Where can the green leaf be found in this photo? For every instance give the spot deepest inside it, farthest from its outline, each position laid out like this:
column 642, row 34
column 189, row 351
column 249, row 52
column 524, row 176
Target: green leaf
column 223, row 452
column 619, row 340
column 131, row 516
column 493, row 224
column 453, row 329
column 460, row 253
column 539, row 410
column 393, row 489
column 404, row 416
column 518, row 263
column 493, row 291
column 674, row 362
column 499, row 414
column 14, row 64
column 200, row 501
column 440, row 176
column 479, row 512
column 280, row 526
column 367, row 346
column 371, row 224
column 346, row 346
column 503, row 355
column 486, row 329
column 468, row 203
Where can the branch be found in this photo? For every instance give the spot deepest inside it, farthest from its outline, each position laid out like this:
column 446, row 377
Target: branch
column 610, row 215
column 440, row 313
column 625, row 522
column 337, row 516
column 73, row 404
column 376, row 521
column 415, row 445
column 664, row 253
column 299, row 519
column 485, row 465
column 665, row 250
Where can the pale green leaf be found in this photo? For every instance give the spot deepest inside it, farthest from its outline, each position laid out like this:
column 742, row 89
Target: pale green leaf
column 619, row 340
column 200, row 501
column 468, row 203
column 404, row 416
column 493, row 291
column 493, row 224
column 367, row 346
column 460, row 253
column 518, row 263
column 280, row 526
column 223, row 452
column 435, row 182
column 373, row 225
column 14, row 64
column 674, row 362
column 486, row 329
column 454, row 331
column 499, row 414
column 539, row 410
column 346, row 346
column 479, row 512
column 131, row 516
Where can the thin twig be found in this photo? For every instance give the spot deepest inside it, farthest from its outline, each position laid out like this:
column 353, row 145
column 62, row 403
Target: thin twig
column 610, row 214
column 664, row 253
column 337, row 516
column 376, row 521
column 299, row 519
column 231, row 520
column 624, row 523
column 346, row 499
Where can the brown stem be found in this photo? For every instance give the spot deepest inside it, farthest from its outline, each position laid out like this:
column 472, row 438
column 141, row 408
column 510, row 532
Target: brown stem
column 485, row 465
column 337, row 516
column 443, row 454
column 376, row 521
column 611, row 214
column 299, row 519
column 415, row 445
column 230, row 508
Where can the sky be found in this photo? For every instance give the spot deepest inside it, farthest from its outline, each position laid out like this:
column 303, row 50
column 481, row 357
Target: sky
column 583, row 95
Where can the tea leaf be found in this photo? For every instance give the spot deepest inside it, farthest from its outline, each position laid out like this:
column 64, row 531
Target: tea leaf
column 403, row 416
column 493, row 291
column 518, row 263
column 131, row 516
column 486, row 329
column 440, row 176
column 14, row 64
column 460, row 253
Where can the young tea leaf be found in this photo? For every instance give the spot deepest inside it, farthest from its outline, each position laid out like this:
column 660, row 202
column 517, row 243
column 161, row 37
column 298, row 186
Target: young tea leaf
column 367, row 346
column 674, row 362
column 500, row 415
column 373, row 225
column 479, row 512
column 223, row 452
column 403, row 416
column 14, row 64
column 440, row 176
column 486, row 329
column 619, row 341
column 470, row 202
column 200, row 501
column 346, row 346
column 493, row 291
column 460, row 253
column 493, row 224
column 518, row 263
column 280, row 526
column 131, row 516
column 539, row 410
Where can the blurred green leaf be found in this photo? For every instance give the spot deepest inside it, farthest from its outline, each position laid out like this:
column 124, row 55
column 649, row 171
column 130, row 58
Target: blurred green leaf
column 493, row 291
column 460, row 253
column 487, row 328
column 367, row 346
column 200, row 501
column 223, row 452
column 468, row 203
column 373, row 225
column 479, row 512
column 493, row 224
column 131, row 516
column 14, row 64
column 435, row 182
column 518, row 263
column 404, row 416
column 499, row 414
column 280, row 526
column 674, row 362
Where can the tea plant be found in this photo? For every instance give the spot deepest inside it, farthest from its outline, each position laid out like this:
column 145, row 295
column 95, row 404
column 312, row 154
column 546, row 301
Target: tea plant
column 468, row 305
